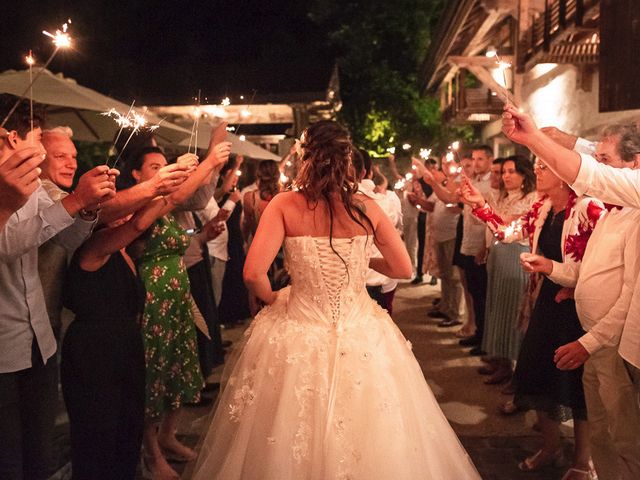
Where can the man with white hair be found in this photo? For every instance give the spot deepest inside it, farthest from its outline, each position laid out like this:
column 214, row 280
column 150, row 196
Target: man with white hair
column 58, row 169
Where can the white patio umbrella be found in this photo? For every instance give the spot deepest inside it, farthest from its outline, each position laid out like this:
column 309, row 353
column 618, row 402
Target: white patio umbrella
column 70, row 104
column 239, row 147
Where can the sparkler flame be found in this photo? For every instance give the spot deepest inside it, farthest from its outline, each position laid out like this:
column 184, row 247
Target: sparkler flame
column 225, row 102
column 425, row 153
column 30, row 59
column 455, row 145
column 61, row 39
column 399, row 185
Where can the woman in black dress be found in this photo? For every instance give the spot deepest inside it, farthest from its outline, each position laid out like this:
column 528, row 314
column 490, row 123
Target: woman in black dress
column 103, row 364
column 558, row 225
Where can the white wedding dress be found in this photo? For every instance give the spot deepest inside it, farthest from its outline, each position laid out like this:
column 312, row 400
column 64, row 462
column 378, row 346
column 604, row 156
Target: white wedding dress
column 326, row 386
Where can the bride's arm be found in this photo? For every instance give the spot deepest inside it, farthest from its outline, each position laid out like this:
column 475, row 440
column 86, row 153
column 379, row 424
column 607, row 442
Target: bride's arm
column 264, row 248
column 395, row 262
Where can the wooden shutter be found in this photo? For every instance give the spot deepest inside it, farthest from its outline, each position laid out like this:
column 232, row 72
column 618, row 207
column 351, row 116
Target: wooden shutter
column 619, row 55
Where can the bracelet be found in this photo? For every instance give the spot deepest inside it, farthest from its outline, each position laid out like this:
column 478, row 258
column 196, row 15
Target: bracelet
column 88, row 215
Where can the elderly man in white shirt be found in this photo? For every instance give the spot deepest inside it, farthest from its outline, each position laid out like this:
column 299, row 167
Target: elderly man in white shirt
column 604, row 283
column 586, row 176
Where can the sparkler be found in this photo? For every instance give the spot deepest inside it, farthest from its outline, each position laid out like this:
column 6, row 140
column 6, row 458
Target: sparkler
column 134, row 120
column 120, row 120
column 502, row 66
column 61, row 40
column 510, row 231
column 391, row 150
column 197, row 113
column 245, row 113
column 30, row 61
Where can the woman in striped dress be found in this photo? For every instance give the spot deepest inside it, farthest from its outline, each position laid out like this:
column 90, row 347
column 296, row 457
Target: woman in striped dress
column 506, row 280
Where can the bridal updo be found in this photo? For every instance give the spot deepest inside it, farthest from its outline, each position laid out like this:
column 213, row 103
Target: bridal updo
column 326, row 172
column 326, row 151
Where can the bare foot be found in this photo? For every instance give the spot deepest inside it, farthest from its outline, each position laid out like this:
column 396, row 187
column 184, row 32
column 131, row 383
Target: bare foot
column 174, row 450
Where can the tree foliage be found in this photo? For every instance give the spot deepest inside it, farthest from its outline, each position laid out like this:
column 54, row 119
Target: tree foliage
column 380, row 45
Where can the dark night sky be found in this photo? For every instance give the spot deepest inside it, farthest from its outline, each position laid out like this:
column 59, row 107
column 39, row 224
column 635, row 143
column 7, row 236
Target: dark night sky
column 164, row 51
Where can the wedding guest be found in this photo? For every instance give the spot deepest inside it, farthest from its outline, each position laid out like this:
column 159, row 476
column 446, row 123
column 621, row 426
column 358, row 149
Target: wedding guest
column 268, row 182
column 375, row 281
column 587, row 176
column 472, row 248
column 234, row 301
column 28, row 387
column 506, row 280
column 611, row 259
column 469, row 326
column 558, row 225
column 18, row 179
column 103, row 363
column 444, row 219
column 173, row 375
column 219, row 247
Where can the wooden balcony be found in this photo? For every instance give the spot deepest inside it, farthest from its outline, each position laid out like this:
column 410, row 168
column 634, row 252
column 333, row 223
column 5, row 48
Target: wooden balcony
column 565, row 32
column 473, row 105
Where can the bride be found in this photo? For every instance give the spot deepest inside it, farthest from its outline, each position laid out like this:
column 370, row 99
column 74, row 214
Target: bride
column 326, row 386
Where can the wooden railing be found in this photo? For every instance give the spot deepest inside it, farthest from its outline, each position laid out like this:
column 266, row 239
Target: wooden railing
column 558, row 16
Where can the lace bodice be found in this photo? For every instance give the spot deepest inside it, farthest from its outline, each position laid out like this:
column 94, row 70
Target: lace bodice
column 320, row 278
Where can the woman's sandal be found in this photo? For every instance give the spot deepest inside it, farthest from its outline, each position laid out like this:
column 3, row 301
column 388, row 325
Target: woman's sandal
column 537, row 461
column 580, row 474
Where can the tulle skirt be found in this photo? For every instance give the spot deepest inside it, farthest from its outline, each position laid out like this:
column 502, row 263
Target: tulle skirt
column 309, row 399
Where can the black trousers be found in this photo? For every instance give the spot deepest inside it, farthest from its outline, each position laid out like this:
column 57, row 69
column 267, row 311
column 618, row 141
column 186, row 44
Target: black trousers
column 103, row 382
column 422, row 231
column 27, row 417
column 210, row 352
column 476, row 277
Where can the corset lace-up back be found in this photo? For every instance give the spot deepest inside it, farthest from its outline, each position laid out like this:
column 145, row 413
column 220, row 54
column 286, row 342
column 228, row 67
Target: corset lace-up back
column 321, row 277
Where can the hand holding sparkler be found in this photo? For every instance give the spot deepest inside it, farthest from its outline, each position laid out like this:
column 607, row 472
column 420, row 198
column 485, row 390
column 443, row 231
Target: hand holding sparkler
column 220, row 154
column 503, row 67
column 535, row 263
column 470, row 195
column 169, row 178
column 518, row 126
column 188, row 161
column 417, row 166
column 94, row 188
column 19, row 178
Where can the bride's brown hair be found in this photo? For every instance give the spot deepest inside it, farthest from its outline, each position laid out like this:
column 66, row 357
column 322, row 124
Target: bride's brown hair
column 326, row 171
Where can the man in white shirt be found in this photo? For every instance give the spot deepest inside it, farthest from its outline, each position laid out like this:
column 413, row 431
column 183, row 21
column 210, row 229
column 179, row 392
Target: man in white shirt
column 586, row 176
column 604, row 282
column 28, row 384
column 473, row 248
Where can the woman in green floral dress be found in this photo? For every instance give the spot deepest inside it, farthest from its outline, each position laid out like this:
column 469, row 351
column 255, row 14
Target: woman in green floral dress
column 173, row 374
